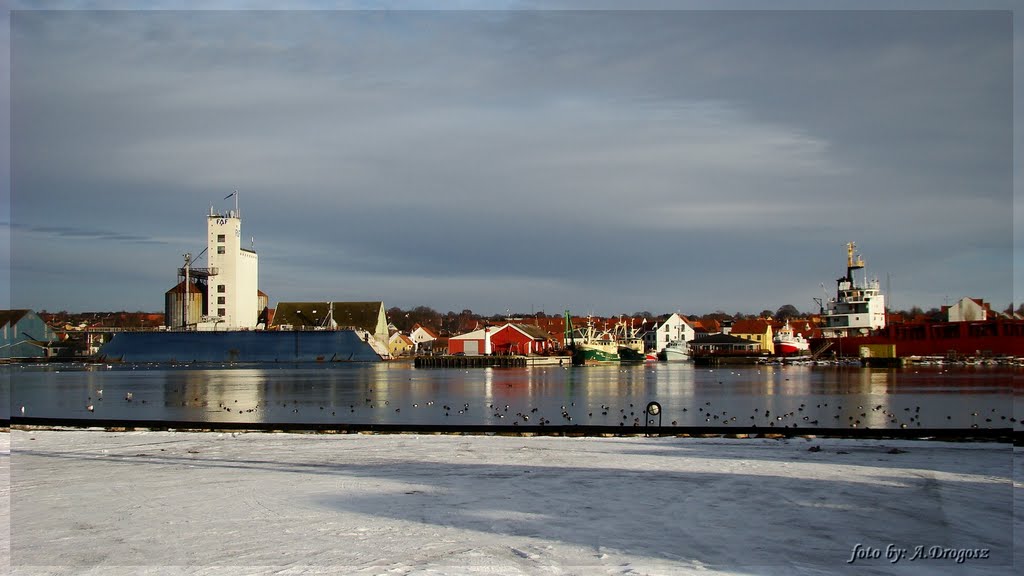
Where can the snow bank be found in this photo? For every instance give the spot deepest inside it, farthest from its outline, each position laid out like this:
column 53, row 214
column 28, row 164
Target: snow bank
column 95, row 502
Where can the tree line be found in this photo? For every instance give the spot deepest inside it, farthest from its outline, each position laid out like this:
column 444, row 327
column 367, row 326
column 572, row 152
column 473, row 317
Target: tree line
column 459, row 322
column 449, row 323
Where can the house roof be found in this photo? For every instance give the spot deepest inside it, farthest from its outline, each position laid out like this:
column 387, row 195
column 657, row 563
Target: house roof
column 535, row 332
column 709, row 325
column 403, row 338
column 312, row 314
column 979, row 301
column 528, row 329
column 474, row 335
column 759, row 326
column 722, row 339
column 11, row 316
column 196, row 288
column 430, row 332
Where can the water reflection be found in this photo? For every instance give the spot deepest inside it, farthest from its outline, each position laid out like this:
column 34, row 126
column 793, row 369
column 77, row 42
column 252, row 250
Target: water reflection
column 391, row 393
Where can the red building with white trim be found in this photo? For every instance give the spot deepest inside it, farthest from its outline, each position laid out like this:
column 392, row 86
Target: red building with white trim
column 519, row 339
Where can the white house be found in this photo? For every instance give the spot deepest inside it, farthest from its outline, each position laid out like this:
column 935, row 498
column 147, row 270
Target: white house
column 675, row 327
column 422, row 337
column 968, row 310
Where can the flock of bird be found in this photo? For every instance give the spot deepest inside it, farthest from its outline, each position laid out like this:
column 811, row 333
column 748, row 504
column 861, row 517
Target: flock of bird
column 603, row 414
column 181, row 405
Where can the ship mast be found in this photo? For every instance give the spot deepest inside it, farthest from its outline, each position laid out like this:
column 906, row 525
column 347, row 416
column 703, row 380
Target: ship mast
column 852, row 262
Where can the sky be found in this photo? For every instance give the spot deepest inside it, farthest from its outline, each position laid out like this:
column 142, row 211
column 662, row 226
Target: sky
column 602, row 161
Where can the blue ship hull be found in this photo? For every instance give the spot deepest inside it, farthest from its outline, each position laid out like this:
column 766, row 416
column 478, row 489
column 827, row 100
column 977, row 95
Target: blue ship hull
column 239, row 346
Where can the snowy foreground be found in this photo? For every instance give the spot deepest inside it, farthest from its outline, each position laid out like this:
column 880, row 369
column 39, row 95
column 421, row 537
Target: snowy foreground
column 96, row 502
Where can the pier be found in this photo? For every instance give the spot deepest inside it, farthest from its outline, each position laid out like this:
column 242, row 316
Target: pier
column 450, row 361
column 501, row 361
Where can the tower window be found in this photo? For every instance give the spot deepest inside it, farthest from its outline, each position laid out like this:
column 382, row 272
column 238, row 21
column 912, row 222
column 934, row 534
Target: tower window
column 221, row 312
column 221, row 238
column 220, row 249
column 221, row 288
column 220, row 300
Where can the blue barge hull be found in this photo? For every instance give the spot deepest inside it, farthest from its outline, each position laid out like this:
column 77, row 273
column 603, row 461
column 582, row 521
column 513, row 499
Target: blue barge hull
column 239, row 346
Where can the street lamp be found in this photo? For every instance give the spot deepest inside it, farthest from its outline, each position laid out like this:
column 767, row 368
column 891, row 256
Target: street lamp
column 653, row 409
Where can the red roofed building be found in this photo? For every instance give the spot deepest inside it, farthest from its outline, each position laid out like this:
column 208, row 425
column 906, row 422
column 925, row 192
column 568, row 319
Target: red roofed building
column 758, row 331
column 422, row 337
column 520, row 339
column 968, row 310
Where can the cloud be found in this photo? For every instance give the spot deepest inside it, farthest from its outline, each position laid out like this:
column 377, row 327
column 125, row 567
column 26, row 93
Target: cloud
column 557, row 151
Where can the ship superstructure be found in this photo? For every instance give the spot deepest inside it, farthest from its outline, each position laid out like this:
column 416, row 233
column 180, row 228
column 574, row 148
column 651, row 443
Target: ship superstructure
column 859, row 305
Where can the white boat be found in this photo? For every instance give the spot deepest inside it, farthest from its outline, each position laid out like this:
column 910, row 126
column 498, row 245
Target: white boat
column 789, row 343
column 676, row 351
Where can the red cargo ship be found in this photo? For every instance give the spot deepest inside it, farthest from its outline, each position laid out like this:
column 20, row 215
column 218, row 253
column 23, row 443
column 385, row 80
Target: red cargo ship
column 854, row 324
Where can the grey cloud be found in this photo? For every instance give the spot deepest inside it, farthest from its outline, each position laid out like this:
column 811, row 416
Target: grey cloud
column 582, row 148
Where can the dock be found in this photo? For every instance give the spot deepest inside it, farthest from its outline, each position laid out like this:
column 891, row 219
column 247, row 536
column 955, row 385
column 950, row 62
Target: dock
column 726, row 359
column 449, row 361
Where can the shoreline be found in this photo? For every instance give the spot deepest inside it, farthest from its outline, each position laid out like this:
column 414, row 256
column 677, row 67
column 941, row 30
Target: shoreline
column 998, row 435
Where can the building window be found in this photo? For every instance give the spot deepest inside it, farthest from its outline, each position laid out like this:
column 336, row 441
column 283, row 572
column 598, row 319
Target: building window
column 220, row 249
column 221, row 237
column 221, row 312
column 220, row 300
column 221, row 288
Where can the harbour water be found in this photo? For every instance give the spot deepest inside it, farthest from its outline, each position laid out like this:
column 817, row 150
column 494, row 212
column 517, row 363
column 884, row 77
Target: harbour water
column 396, row 393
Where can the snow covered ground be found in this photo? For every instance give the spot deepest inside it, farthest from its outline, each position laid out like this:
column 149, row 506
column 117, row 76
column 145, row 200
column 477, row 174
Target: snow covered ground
column 97, row 502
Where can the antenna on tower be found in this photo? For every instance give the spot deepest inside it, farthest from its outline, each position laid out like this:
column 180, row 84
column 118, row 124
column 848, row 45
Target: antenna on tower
column 235, row 194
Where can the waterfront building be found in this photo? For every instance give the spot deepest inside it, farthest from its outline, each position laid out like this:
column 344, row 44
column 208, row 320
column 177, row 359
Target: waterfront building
column 234, row 293
column 758, row 331
column 400, row 345
column 24, row 335
column 225, row 294
column 422, row 337
column 508, row 338
column 368, row 317
column 722, row 344
column 675, row 328
column 969, row 310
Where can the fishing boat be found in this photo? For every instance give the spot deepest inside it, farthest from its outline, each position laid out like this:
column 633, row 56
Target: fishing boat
column 676, row 351
column 594, row 348
column 631, row 346
column 789, row 343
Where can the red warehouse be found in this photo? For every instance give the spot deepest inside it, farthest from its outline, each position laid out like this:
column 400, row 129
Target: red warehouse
column 507, row 339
